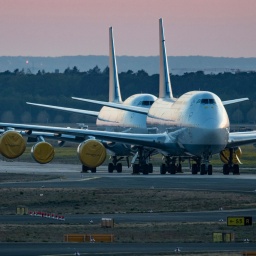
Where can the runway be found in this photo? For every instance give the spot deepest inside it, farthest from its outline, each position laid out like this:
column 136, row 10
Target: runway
column 68, row 249
column 71, row 177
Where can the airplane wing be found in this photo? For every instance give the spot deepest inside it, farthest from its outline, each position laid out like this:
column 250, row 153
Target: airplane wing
column 157, row 141
column 135, row 109
column 73, row 110
column 241, row 138
column 227, row 102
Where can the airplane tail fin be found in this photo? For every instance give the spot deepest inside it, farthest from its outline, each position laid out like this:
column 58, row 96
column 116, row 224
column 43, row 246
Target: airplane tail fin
column 114, row 88
column 165, row 88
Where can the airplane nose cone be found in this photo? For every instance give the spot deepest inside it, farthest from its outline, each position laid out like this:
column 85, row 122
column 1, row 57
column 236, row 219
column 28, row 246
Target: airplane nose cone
column 211, row 123
column 213, row 132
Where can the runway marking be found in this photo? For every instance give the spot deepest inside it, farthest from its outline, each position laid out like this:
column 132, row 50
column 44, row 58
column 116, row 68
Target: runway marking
column 91, row 178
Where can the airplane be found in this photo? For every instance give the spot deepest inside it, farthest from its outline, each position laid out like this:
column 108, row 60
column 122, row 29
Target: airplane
column 196, row 127
column 115, row 118
column 138, row 104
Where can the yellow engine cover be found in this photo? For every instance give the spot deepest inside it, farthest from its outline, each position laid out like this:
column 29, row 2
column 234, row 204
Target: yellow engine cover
column 42, row 152
column 12, row 144
column 225, row 154
column 91, row 153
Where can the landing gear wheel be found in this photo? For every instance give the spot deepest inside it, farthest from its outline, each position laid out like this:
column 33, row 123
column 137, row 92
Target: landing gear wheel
column 85, row 168
column 225, row 169
column 119, row 167
column 145, row 169
column 110, row 167
column 135, row 169
column 209, row 169
column 150, row 168
column 194, row 169
column 236, row 169
column 93, row 170
column 172, row 169
column 179, row 168
column 162, row 169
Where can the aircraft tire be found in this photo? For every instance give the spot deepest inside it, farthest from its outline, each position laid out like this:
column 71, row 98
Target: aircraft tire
column 162, row 169
column 209, row 169
column 119, row 167
column 194, row 169
column 145, row 169
column 110, row 167
column 173, row 169
column 150, row 170
column 236, row 169
column 179, row 168
column 225, row 169
column 135, row 169
column 93, row 170
column 84, row 168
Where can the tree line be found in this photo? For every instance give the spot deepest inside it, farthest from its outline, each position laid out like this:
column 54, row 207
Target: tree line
column 21, row 86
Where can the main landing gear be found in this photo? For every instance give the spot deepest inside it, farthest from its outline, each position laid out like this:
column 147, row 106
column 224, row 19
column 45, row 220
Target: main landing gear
column 115, row 165
column 230, row 166
column 87, row 168
column 142, row 166
column 170, row 165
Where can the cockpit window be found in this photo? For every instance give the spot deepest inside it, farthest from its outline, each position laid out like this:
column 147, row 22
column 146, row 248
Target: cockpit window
column 146, row 103
column 206, row 101
column 212, row 101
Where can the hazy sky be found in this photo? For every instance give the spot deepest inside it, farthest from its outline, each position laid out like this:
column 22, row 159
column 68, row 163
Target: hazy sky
column 80, row 27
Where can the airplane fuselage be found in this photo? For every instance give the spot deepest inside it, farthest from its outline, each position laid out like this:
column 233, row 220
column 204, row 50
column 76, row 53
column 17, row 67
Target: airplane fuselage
column 200, row 119
column 113, row 118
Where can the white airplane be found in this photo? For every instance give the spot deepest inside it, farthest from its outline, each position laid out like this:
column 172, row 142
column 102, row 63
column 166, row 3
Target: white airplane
column 113, row 118
column 196, row 127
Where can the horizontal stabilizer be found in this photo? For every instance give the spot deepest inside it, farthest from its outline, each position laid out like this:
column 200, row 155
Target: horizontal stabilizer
column 73, row 110
column 135, row 109
column 227, row 102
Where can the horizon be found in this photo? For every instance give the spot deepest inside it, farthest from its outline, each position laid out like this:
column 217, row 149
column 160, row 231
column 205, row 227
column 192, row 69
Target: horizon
column 138, row 56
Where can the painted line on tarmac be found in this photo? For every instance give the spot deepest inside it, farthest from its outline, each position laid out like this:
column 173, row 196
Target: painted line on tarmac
column 91, row 178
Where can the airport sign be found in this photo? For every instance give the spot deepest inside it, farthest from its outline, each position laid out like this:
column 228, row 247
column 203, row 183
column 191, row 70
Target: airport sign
column 239, row 221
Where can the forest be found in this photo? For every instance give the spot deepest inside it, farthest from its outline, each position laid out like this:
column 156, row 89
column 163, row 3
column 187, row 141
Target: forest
column 21, row 86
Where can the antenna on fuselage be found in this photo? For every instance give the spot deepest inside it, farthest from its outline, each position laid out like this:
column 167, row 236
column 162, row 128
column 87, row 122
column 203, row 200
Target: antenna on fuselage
column 114, row 88
column 165, row 88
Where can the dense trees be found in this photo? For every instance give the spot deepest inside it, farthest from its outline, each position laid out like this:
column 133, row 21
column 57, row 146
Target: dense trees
column 20, row 86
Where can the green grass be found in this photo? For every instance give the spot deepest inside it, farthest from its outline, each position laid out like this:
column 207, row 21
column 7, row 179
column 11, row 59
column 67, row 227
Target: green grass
column 68, row 155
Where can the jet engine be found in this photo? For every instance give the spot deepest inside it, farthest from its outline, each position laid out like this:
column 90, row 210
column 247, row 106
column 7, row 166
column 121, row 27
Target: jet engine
column 12, row 144
column 225, row 155
column 91, row 153
column 42, row 152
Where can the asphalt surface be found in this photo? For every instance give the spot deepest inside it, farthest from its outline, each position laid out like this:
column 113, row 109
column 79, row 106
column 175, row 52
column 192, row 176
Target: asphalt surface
column 70, row 176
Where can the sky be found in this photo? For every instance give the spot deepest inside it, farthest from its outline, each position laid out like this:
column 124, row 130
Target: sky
column 219, row 28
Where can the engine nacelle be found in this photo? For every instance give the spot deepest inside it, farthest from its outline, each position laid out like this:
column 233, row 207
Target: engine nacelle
column 225, row 155
column 42, row 152
column 91, row 153
column 12, row 144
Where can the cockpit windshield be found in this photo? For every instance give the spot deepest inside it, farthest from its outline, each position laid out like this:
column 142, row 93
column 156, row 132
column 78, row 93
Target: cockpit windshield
column 146, row 103
column 206, row 101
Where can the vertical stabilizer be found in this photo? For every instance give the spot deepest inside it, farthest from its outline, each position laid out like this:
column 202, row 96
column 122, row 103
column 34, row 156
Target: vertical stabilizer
column 114, row 88
column 165, row 88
